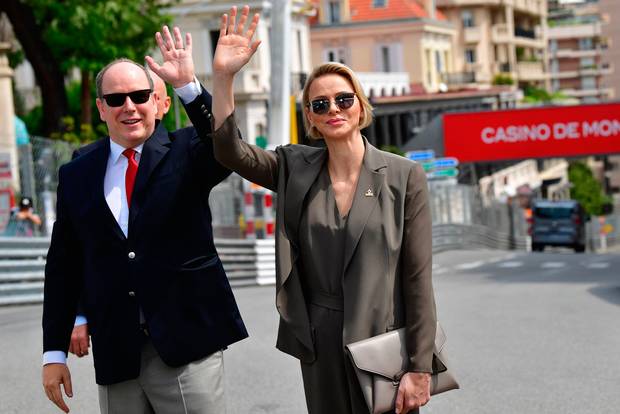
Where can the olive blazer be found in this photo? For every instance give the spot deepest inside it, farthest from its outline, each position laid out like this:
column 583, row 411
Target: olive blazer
column 388, row 248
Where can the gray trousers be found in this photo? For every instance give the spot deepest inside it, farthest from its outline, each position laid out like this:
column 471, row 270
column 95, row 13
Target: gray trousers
column 195, row 388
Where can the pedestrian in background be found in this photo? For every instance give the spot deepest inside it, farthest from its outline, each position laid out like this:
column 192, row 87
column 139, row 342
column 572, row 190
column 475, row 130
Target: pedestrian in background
column 23, row 222
column 353, row 238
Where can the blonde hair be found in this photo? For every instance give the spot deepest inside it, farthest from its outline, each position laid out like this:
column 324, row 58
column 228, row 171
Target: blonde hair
column 347, row 73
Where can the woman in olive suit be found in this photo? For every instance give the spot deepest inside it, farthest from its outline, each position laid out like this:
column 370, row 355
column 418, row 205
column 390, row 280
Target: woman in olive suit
column 353, row 231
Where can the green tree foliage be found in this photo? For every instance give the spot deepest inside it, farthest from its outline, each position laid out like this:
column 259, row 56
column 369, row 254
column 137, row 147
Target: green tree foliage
column 586, row 189
column 503, row 79
column 393, row 149
column 533, row 94
column 88, row 34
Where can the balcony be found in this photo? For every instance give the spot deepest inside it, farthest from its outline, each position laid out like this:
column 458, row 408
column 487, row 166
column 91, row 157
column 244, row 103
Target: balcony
column 586, row 93
column 595, row 70
column 471, row 34
column 500, row 33
column 576, row 54
column 458, row 78
column 385, row 83
column 575, row 31
column 502, row 67
column 531, row 71
column 527, row 33
column 529, row 37
column 533, row 7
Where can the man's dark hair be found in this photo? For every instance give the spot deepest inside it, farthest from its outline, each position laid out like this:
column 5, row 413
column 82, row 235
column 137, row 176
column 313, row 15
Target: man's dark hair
column 99, row 78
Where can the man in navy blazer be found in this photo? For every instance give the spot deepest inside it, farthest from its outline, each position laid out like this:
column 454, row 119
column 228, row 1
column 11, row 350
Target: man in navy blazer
column 80, row 340
column 139, row 252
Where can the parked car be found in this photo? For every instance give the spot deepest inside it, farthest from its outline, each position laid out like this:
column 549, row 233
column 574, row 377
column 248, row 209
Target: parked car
column 558, row 223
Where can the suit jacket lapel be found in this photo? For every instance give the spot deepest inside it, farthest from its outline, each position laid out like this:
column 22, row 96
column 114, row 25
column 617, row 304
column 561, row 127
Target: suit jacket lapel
column 300, row 179
column 154, row 150
column 98, row 163
column 366, row 199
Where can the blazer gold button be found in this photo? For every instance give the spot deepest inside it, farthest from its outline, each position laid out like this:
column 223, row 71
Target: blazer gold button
column 132, row 293
column 131, row 255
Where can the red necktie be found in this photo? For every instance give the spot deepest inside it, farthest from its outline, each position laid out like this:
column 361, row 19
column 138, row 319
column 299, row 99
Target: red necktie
column 130, row 173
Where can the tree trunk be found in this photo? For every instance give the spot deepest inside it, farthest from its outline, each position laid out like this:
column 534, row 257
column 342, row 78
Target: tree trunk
column 47, row 70
column 85, row 98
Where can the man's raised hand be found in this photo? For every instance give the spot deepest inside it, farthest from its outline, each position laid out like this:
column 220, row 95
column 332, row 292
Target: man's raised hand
column 178, row 66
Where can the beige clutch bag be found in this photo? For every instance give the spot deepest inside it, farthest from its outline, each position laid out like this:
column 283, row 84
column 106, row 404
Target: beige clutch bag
column 381, row 361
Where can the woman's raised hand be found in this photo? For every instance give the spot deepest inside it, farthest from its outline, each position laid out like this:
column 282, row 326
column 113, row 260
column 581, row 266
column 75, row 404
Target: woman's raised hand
column 234, row 47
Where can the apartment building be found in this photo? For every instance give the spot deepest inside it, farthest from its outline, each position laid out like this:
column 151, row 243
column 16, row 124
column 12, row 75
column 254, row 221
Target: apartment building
column 610, row 16
column 385, row 41
column 576, row 47
column 499, row 41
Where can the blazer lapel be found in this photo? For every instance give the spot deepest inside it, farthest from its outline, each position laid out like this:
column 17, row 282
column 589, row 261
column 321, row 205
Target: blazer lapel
column 300, row 179
column 366, row 199
column 154, row 150
column 98, row 163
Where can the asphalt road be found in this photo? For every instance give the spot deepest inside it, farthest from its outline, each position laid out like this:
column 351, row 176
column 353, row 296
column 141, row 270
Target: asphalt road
column 536, row 333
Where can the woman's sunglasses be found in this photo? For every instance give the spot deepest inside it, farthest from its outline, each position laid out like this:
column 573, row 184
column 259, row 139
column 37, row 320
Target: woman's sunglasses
column 343, row 101
column 118, row 99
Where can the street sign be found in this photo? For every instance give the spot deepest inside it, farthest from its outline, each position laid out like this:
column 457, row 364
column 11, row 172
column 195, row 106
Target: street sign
column 420, row 155
column 446, row 173
column 443, row 163
column 428, row 166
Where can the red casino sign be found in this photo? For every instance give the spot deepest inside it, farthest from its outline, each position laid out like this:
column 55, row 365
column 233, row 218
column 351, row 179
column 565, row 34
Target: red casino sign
column 565, row 131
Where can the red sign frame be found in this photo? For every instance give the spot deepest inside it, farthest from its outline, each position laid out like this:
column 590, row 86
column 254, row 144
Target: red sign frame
column 565, row 131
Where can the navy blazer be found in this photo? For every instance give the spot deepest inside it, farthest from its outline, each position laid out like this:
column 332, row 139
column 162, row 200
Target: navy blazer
column 167, row 266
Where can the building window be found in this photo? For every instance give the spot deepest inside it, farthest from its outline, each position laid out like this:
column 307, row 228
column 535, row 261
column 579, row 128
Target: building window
column 553, row 45
column 439, row 64
column 470, row 56
column 388, row 57
column 377, row 4
column 587, row 63
column 335, row 54
column 467, row 17
column 588, row 83
column 333, row 11
column 586, row 44
column 385, row 58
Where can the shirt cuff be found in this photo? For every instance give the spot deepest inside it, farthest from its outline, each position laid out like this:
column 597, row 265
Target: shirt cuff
column 189, row 92
column 80, row 320
column 54, row 357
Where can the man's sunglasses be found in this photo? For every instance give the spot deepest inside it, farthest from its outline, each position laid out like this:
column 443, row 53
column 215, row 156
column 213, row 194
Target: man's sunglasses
column 343, row 101
column 118, row 99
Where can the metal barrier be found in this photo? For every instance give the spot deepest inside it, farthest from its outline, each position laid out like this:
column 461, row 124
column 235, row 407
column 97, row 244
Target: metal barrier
column 22, row 265
column 247, row 262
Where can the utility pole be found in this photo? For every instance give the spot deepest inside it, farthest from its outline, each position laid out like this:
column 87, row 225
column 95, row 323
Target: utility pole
column 279, row 100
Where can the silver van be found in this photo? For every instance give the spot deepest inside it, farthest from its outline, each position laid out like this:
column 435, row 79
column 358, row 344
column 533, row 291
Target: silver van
column 558, row 223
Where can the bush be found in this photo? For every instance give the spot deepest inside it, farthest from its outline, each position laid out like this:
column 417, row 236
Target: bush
column 586, row 189
column 500, row 79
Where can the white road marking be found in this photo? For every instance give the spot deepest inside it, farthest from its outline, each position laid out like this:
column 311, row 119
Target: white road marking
column 510, row 264
column 471, row 265
column 597, row 265
column 552, row 265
